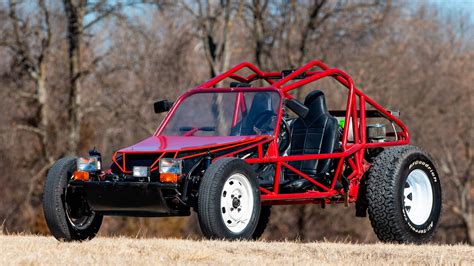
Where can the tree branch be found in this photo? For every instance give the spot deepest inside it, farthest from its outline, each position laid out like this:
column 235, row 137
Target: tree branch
column 109, row 11
column 32, row 129
column 46, row 41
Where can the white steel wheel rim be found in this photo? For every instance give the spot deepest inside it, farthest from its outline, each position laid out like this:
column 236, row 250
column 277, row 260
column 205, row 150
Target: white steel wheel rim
column 237, row 202
column 418, row 197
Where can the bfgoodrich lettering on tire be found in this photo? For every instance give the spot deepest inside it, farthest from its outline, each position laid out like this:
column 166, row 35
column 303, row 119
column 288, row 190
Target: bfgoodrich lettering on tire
column 404, row 195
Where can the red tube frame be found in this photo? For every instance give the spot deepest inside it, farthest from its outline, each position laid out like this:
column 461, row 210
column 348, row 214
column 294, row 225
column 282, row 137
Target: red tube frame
column 352, row 154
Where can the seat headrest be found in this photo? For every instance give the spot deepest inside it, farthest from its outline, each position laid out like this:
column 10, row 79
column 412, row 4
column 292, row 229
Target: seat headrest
column 262, row 101
column 316, row 101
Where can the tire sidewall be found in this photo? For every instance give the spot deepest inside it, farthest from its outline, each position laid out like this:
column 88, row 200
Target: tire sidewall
column 209, row 207
column 238, row 167
column 422, row 162
column 91, row 230
column 57, row 218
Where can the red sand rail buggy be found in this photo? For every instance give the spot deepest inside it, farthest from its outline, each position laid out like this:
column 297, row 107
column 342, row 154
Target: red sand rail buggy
column 231, row 152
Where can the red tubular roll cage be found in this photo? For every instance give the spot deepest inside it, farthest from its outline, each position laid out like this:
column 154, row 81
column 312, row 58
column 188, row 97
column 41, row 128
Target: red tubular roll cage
column 352, row 155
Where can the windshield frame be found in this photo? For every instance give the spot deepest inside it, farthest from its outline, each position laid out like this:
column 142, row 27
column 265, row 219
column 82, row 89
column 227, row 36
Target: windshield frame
column 178, row 102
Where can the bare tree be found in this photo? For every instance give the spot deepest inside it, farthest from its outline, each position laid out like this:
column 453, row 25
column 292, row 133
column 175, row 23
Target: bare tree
column 30, row 55
column 257, row 23
column 457, row 160
column 33, row 63
column 461, row 176
column 214, row 22
column 75, row 11
column 53, row 60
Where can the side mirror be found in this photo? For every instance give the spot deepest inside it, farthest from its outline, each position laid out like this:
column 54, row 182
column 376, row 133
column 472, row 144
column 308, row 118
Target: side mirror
column 162, row 106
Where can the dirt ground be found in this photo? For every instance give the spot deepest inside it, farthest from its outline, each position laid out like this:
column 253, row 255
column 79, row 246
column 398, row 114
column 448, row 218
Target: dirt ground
column 40, row 250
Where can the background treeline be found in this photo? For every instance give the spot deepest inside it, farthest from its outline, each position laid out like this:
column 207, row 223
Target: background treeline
column 75, row 74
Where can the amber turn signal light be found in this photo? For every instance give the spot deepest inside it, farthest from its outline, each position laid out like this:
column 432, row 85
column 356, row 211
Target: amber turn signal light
column 81, row 175
column 168, row 178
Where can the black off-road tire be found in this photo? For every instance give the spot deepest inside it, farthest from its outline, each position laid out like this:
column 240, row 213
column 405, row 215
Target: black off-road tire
column 211, row 188
column 386, row 182
column 265, row 213
column 54, row 205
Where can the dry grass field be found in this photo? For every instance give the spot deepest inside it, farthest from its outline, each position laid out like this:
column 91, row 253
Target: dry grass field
column 39, row 250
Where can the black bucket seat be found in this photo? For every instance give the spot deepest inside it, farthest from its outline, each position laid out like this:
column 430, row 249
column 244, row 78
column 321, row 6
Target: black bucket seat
column 316, row 133
column 262, row 104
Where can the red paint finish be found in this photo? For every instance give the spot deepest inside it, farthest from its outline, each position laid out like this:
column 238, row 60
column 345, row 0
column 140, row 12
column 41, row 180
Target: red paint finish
column 156, row 144
column 350, row 160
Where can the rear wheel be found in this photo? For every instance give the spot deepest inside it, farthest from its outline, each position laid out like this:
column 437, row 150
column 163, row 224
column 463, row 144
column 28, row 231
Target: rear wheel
column 68, row 216
column 229, row 200
column 404, row 195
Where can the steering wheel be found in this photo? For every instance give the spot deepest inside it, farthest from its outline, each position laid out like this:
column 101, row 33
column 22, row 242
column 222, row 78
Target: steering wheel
column 284, row 137
column 265, row 123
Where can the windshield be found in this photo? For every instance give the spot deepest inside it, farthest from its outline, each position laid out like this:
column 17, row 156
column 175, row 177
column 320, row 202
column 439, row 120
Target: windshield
column 225, row 114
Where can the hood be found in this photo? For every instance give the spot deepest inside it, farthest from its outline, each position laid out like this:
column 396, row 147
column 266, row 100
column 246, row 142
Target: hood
column 180, row 143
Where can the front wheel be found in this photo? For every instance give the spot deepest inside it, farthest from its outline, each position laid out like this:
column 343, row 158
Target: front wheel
column 265, row 213
column 404, row 195
column 229, row 200
column 67, row 213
